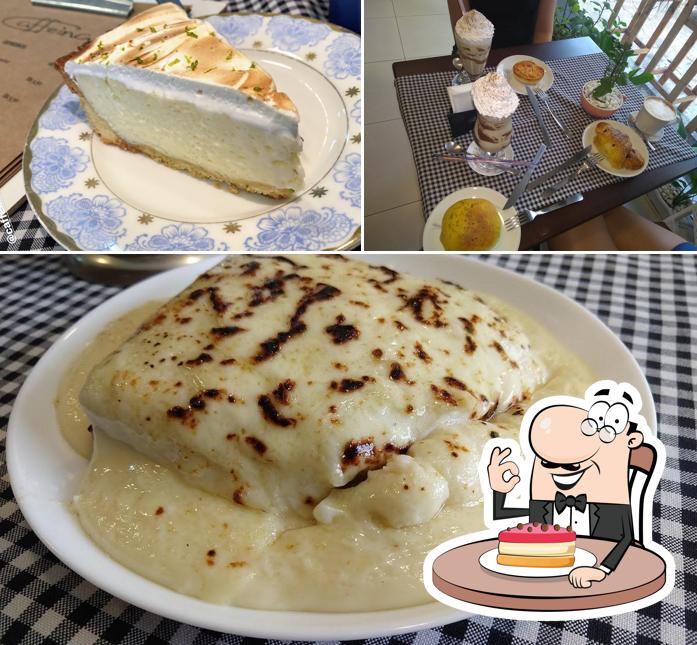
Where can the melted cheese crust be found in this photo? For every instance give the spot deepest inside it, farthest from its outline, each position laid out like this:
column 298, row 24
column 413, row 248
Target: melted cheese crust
column 272, row 381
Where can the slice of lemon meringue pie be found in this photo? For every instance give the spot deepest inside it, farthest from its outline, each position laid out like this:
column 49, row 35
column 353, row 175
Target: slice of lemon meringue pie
column 174, row 89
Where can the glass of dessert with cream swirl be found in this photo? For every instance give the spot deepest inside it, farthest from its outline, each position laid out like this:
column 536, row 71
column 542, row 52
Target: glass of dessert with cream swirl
column 473, row 36
column 495, row 102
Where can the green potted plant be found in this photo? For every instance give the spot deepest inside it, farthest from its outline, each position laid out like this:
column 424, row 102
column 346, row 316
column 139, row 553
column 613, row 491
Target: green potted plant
column 602, row 97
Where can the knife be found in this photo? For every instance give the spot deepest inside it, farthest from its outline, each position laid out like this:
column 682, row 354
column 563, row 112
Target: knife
column 571, row 199
column 522, row 184
column 538, row 115
column 575, row 159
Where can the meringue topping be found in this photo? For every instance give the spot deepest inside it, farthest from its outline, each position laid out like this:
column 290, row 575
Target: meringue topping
column 494, row 97
column 164, row 39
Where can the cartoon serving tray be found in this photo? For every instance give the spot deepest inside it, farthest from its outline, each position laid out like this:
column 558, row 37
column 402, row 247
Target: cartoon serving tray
column 578, row 544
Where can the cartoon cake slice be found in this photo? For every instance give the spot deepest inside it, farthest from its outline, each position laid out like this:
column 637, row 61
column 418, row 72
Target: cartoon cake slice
column 537, row 545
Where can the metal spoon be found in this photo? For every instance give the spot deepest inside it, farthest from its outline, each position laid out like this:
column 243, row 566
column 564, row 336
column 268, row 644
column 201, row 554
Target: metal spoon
column 451, row 146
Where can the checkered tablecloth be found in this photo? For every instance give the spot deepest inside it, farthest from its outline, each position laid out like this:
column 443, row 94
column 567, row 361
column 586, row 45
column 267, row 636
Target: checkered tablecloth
column 310, row 8
column 650, row 302
column 424, row 103
column 29, row 233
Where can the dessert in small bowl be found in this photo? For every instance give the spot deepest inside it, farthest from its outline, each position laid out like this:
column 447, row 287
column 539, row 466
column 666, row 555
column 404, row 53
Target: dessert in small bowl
column 602, row 107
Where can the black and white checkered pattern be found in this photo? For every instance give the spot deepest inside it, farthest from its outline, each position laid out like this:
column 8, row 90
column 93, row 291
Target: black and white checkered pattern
column 423, row 100
column 310, row 8
column 31, row 236
column 649, row 301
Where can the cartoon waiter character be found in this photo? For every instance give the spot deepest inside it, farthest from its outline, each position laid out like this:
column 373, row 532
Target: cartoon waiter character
column 580, row 470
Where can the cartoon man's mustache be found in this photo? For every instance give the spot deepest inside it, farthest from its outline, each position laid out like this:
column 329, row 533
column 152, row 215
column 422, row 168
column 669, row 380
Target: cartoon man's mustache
column 589, row 427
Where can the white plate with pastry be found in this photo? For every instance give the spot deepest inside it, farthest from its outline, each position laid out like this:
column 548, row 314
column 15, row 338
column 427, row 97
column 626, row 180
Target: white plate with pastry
column 626, row 154
column 241, row 132
column 349, row 564
column 477, row 230
column 522, row 70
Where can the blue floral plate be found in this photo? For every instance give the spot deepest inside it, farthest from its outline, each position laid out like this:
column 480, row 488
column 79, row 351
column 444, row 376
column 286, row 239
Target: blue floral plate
column 95, row 197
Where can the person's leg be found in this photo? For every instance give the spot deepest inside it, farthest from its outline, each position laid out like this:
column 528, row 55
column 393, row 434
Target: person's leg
column 632, row 232
column 589, row 236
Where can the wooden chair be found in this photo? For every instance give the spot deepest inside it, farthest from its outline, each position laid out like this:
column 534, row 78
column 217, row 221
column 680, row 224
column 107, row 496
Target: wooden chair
column 456, row 10
column 673, row 220
column 642, row 461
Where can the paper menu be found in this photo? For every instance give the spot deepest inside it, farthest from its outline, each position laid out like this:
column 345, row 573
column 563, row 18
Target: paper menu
column 31, row 39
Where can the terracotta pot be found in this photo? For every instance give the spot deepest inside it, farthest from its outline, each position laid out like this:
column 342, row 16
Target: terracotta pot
column 595, row 110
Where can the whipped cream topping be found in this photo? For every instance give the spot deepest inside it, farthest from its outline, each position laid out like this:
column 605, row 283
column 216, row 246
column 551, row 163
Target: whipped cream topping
column 164, row 39
column 474, row 27
column 494, row 97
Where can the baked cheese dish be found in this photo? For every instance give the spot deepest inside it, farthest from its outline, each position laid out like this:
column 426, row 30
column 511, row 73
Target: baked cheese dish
column 297, row 432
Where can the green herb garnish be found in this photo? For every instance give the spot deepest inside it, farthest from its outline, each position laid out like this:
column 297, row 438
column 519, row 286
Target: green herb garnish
column 190, row 32
column 154, row 31
column 174, row 62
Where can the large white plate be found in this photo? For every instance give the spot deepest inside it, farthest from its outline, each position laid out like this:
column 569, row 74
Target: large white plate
column 488, row 560
column 508, row 241
column 505, row 67
column 636, row 140
column 95, row 197
column 44, row 470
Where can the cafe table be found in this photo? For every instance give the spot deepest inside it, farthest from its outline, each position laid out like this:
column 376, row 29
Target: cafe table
column 647, row 300
column 422, row 95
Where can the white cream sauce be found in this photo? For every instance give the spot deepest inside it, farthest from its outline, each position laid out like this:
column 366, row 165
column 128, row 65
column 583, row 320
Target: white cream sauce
column 147, row 518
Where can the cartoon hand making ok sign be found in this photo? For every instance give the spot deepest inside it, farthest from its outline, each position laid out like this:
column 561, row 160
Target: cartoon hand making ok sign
column 498, row 468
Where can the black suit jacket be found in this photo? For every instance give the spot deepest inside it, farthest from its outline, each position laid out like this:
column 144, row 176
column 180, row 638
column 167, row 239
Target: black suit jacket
column 607, row 522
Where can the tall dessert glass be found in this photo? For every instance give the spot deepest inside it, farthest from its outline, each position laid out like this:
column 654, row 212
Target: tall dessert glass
column 473, row 36
column 495, row 102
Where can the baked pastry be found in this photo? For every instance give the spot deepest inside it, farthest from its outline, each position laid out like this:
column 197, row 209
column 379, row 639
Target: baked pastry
column 470, row 225
column 537, row 545
column 528, row 72
column 174, row 89
column 617, row 147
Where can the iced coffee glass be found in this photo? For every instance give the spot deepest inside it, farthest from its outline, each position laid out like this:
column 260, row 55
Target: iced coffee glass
column 492, row 134
column 495, row 102
column 473, row 36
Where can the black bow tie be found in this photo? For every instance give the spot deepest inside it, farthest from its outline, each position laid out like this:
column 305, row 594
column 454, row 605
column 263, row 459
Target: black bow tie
column 561, row 501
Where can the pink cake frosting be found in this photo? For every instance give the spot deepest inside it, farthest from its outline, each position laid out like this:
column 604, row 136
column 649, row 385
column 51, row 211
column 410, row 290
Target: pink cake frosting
column 536, row 532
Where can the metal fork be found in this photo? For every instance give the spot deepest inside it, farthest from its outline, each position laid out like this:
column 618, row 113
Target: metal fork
column 520, row 219
column 593, row 160
column 544, row 98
